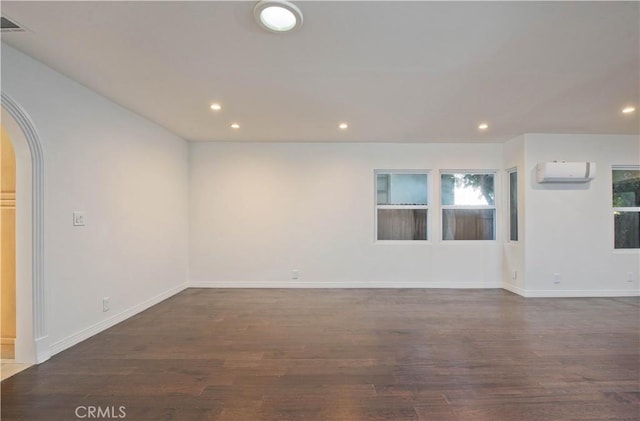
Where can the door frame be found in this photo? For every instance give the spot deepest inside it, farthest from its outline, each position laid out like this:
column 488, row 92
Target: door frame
column 32, row 344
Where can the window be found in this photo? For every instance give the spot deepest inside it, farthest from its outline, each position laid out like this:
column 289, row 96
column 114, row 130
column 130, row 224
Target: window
column 513, row 205
column 402, row 205
column 626, row 207
column 468, row 206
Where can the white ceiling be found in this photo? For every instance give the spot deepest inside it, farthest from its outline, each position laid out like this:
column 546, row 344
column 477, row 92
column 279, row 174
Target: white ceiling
column 395, row 71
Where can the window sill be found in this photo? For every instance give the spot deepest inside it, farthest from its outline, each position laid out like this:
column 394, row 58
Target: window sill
column 402, row 242
column 468, row 242
column 626, row 251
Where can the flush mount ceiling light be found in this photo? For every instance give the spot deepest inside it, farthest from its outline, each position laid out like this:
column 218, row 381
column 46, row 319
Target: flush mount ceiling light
column 483, row 126
column 277, row 15
column 215, row 106
column 343, row 126
column 628, row 110
column 235, row 126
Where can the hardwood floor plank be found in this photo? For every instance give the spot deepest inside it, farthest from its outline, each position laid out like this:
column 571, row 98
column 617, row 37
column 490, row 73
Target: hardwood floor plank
column 355, row 354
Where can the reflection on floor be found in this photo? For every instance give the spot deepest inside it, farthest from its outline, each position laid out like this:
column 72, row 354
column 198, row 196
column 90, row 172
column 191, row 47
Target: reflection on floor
column 9, row 367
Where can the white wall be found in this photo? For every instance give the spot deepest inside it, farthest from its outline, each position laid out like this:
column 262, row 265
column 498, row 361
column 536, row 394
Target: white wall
column 128, row 175
column 570, row 226
column 258, row 211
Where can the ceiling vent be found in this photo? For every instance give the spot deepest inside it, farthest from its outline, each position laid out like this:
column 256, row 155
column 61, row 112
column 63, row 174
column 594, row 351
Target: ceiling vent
column 9, row 26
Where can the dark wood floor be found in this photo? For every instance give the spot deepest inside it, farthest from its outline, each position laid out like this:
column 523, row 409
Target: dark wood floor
column 275, row 354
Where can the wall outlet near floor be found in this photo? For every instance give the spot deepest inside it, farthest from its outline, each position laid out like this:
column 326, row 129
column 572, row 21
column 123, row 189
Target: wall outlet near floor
column 78, row 219
column 295, row 274
column 556, row 278
column 514, row 275
column 106, row 304
column 630, row 277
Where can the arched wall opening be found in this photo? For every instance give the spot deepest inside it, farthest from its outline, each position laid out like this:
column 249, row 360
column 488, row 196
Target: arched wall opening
column 31, row 338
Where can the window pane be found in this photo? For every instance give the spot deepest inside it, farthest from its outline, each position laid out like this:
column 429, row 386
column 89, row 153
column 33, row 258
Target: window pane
column 627, row 230
column 467, row 189
column 626, row 188
column 513, row 206
column 468, row 224
column 382, row 189
column 402, row 224
column 401, row 189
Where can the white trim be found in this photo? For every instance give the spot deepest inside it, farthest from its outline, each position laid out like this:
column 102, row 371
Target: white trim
column 403, row 171
column 43, row 350
column 37, row 214
column 513, row 170
column 402, row 243
column 590, row 293
column 471, row 207
column 403, row 206
column 345, row 284
column 377, row 207
column 625, row 251
column 575, row 293
column 494, row 207
column 632, row 209
column 468, row 242
column 631, row 167
column 454, row 171
column 80, row 336
column 515, row 289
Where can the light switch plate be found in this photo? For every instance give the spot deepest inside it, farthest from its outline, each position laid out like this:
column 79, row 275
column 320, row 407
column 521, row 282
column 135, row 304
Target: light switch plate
column 78, row 219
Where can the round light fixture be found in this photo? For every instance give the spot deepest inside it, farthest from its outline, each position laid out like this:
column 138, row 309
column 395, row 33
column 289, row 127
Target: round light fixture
column 483, row 126
column 216, row 107
column 343, row 126
column 235, row 126
column 628, row 110
column 277, row 15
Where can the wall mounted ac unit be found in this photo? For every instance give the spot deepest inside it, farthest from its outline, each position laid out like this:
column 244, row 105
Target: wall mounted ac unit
column 565, row 172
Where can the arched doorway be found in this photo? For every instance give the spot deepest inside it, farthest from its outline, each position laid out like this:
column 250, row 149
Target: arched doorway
column 31, row 333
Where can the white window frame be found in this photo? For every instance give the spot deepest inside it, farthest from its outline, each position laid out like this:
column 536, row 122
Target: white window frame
column 621, row 209
column 377, row 206
column 509, row 172
column 494, row 207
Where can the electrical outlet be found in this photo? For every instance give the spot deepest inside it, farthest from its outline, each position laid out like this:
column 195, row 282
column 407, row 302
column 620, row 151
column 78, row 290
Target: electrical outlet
column 630, row 277
column 514, row 275
column 556, row 278
column 295, row 274
column 78, row 219
column 106, row 304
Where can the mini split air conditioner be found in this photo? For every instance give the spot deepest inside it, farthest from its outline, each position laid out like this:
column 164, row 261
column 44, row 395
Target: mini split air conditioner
column 565, row 172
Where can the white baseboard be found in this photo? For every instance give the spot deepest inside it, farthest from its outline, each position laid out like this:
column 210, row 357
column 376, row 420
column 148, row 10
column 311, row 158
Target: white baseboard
column 43, row 350
column 514, row 289
column 541, row 293
column 80, row 336
column 569, row 293
column 399, row 284
column 340, row 284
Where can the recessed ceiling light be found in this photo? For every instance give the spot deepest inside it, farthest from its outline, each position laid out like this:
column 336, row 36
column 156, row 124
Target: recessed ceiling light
column 235, row 126
column 628, row 110
column 216, row 107
column 277, row 15
column 343, row 126
column 483, row 126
